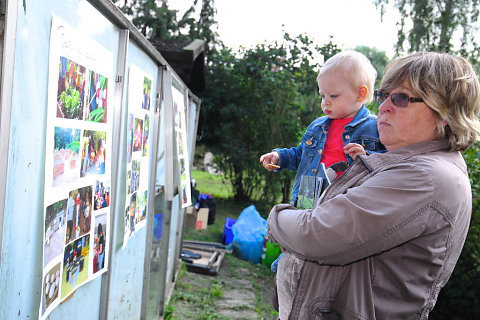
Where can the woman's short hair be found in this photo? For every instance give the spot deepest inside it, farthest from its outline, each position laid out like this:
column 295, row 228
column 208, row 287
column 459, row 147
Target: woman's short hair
column 356, row 67
column 448, row 85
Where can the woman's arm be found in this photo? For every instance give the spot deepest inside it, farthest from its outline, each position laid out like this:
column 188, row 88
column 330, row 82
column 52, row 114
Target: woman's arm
column 388, row 209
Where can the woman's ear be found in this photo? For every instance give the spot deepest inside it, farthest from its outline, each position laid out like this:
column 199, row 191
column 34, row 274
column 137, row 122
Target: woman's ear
column 362, row 93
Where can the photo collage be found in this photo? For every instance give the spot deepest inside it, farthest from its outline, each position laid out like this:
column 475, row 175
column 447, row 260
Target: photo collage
column 138, row 129
column 77, row 171
column 182, row 151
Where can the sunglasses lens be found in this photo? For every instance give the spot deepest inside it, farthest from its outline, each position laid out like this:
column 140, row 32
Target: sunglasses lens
column 400, row 99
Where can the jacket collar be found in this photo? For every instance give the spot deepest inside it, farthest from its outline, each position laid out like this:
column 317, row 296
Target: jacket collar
column 380, row 159
column 361, row 115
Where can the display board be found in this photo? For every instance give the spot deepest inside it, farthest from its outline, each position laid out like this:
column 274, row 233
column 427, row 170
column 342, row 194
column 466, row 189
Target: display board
column 77, row 164
column 140, row 114
column 182, row 147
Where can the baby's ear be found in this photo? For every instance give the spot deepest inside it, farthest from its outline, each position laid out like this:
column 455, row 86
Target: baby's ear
column 362, row 93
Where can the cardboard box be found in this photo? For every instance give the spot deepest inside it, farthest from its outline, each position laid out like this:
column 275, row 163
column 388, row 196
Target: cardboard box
column 196, row 219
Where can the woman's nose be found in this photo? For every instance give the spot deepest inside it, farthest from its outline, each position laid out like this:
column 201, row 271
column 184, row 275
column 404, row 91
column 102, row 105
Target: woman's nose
column 385, row 106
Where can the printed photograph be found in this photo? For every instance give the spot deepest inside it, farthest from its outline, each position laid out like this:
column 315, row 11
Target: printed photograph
column 96, row 100
column 71, row 89
column 93, row 153
column 180, row 143
column 55, row 223
column 50, row 287
column 79, row 213
column 184, row 194
column 100, row 235
column 183, row 173
column 147, row 88
column 134, row 176
column 129, row 181
column 130, row 125
column 138, row 135
column 66, row 156
column 145, row 135
column 141, row 206
column 75, row 264
column 102, row 195
column 178, row 115
column 130, row 215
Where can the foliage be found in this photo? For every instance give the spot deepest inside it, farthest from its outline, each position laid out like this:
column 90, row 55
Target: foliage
column 255, row 100
column 67, row 138
column 378, row 58
column 70, row 100
column 159, row 22
column 97, row 115
column 433, row 24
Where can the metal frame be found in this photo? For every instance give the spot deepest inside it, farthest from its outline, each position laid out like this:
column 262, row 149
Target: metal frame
column 193, row 98
column 128, row 32
column 151, row 195
column 169, row 178
column 119, row 91
column 181, row 211
column 9, row 10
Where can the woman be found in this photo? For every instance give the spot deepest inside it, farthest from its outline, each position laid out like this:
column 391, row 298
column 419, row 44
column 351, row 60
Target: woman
column 385, row 237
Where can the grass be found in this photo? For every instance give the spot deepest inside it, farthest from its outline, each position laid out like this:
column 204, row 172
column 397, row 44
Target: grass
column 195, row 296
column 212, row 184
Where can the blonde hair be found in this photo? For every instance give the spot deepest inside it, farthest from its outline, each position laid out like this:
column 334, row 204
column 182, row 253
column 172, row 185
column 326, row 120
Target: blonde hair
column 356, row 67
column 449, row 86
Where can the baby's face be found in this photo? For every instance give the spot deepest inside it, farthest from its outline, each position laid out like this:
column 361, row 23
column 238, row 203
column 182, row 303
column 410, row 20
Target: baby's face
column 339, row 97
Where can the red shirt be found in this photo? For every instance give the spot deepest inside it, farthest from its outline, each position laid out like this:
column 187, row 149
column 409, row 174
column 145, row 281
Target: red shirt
column 333, row 149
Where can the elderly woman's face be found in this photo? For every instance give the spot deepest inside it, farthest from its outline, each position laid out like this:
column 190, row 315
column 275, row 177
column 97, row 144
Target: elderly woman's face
column 402, row 126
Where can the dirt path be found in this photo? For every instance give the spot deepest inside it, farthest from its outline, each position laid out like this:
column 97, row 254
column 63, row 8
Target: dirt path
column 240, row 290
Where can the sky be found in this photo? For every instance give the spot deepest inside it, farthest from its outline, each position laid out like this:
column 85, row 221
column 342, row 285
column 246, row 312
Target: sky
column 351, row 22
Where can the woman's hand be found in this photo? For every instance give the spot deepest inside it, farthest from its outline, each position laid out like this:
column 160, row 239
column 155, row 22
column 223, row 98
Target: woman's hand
column 270, row 160
column 354, row 150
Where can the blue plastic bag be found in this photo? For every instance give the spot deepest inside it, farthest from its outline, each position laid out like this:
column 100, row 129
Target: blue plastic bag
column 248, row 234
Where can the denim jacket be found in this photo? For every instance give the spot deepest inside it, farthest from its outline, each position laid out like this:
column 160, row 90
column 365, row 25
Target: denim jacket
column 305, row 158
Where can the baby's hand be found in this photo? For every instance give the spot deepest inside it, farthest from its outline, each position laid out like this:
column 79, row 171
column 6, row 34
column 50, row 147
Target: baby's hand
column 354, row 149
column 269, row 161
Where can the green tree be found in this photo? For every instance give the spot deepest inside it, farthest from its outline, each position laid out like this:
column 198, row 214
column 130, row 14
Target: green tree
column 433, row 24
column 378, row 58
column 156, row 21
column 255, row 100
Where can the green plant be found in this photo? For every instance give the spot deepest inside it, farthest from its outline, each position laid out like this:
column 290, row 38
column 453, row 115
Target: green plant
column 97, row 115
column 70, row 99
column 169, row 312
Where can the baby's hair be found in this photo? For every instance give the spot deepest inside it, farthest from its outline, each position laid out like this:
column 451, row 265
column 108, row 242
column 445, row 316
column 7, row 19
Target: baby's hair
column 356, row 67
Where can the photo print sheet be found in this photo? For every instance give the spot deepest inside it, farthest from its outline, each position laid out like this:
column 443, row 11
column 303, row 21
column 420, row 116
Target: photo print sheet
column 140, row 114
column 182, row 149
column 77, row 164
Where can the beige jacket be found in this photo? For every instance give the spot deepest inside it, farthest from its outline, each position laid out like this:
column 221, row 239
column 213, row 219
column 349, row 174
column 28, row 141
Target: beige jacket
column 381, row 243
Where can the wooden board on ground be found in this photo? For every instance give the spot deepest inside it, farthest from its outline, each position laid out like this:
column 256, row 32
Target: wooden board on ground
column 203, row 257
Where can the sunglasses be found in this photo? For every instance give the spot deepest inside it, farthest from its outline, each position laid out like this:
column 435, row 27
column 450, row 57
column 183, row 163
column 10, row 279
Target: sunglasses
column 399, row 99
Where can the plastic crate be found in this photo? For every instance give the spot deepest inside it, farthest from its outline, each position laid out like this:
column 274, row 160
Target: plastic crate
column 227, row 236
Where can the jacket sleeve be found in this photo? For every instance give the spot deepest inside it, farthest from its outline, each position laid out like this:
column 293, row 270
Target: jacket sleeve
column 388, row 209
column 290, row 157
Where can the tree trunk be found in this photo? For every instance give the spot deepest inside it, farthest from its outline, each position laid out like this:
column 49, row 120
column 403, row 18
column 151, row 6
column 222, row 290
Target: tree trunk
column 446, row 26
